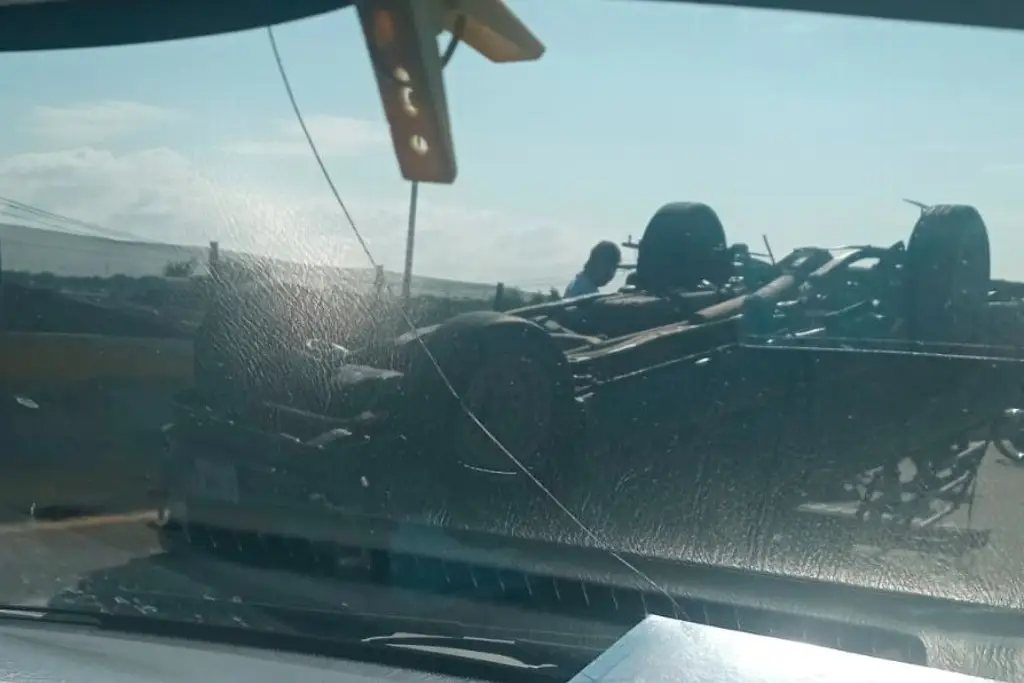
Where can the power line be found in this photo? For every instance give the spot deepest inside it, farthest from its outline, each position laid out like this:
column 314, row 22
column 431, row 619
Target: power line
column 44, row 215
column 329, row 180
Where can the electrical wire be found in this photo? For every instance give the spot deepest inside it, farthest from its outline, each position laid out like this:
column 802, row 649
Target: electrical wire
column 42, row 215
column 300, row 119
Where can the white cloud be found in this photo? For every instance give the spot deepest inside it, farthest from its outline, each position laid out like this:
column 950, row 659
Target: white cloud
column 158, row 194
column 334, row 136
column 97, row 122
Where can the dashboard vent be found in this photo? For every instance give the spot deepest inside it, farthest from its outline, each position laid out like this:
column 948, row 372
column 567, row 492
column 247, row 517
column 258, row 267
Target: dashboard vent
column 630, row 606
column 574, row 598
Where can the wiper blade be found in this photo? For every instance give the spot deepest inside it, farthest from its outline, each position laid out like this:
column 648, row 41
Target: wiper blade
column 520, row 654
column 18, row 613
column 341, row 635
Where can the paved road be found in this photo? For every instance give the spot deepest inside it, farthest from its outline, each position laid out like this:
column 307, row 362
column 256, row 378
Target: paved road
column 102, row 560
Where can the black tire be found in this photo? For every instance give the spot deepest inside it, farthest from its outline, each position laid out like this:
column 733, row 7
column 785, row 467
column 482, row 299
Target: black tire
column 948, row 276
column 172, row 539
column 1007, row 435
column 249, row 346
column 232, row 343
column 683, row 244
column 515, row 379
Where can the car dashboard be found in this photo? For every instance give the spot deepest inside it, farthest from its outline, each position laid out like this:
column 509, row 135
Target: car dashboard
column 589, row 598
column 656, row 649
column 670, row 650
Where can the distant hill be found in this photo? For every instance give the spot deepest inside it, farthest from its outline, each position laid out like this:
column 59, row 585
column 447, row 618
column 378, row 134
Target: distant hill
column 73, row 255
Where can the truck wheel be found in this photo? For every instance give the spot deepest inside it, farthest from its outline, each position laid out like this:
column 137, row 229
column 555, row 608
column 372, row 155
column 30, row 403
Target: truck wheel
column 948, row 275
column 231, row 344
column 250, row 346
column 172, row 538
column 683, row 244
column 517, row 383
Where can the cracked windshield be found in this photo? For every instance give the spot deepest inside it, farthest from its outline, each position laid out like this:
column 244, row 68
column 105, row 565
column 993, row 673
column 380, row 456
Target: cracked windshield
column 723, row 308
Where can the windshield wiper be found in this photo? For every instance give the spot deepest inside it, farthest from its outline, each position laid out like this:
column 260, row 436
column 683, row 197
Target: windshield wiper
column 526, row 655
column 386, row 641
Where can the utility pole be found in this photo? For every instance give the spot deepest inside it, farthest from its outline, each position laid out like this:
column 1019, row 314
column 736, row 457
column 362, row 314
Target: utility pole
column 410, row 239
column 499, row 297
column 213, row 263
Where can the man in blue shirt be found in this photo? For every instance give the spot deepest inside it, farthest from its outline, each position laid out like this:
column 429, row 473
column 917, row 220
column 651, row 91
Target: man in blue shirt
column 598, row 271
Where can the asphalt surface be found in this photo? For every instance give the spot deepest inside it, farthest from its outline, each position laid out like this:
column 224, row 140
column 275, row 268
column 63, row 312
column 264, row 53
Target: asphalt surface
column 115, row 562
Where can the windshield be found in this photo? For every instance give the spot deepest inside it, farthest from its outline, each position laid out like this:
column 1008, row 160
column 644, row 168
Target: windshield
column 717, row 287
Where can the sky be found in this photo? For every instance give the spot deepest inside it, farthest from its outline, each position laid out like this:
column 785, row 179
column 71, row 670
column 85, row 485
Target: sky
column 809, row 129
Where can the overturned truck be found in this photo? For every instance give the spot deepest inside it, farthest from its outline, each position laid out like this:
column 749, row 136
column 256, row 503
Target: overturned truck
column 713, row 378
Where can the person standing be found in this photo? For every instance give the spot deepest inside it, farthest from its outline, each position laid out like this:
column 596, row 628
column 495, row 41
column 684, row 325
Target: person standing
column 597, row 272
